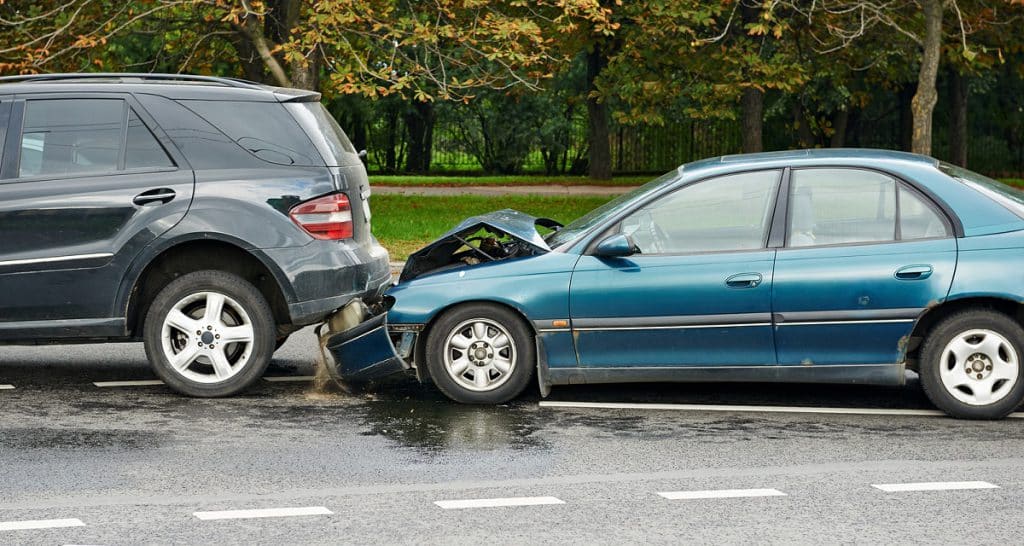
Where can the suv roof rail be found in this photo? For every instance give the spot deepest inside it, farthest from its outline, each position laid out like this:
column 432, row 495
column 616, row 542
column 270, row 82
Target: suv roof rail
column 170, row 78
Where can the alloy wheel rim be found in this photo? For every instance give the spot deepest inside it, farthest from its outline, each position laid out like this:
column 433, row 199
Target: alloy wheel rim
column 480, row 355
column 207, row 337
column 979, row 367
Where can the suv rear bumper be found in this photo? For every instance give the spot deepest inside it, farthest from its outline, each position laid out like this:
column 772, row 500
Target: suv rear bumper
column 327, row 275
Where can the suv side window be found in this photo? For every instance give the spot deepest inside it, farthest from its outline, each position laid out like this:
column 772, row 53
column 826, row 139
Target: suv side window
column 63, row 137
column 265, row 129
column 143, row 149
column 727, row 213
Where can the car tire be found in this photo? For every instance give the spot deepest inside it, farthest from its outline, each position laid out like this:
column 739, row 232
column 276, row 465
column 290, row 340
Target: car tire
column 204, row 353
column 970, row 365
column 480, row 354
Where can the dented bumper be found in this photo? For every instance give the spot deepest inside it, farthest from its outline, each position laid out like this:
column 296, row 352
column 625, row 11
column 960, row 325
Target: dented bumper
column 365, row 351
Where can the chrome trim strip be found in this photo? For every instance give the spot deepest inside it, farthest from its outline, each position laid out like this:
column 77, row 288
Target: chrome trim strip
column 552, row 330
column 57, row 259
column 849, row 315
column 828, row 322
column 673, row 321
column 672, row 327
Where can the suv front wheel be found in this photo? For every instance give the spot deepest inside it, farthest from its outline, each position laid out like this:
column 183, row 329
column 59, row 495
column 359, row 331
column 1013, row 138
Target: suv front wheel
column 209, row 334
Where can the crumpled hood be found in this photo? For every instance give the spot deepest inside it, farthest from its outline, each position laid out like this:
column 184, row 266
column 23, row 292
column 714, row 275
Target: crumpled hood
column 515, row 224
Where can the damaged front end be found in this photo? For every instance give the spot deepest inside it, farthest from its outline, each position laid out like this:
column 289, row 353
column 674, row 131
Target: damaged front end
column 486, row 238
column 358, row 344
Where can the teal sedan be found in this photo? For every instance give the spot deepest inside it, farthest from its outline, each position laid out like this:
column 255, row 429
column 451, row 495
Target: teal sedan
column 813, row 266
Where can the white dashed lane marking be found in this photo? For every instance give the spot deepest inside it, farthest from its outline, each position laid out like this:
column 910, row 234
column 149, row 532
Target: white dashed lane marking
column 495, row 503
column 264, row 513
column 40, row 524
column 932, row 486
column 140, row 383
column 721, row 494
column 753, row 409
column 6, row 387
column 289, row 378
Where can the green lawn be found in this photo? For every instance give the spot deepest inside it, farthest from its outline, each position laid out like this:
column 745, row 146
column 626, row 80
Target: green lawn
column 406, row 223
column 521, row 180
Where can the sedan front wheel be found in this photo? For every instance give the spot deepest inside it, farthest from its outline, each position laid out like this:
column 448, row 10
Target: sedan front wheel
column 480, row 354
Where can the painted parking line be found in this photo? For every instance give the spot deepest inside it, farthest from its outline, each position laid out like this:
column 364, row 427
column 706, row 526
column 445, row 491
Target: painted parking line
column 6, row 387
column 721, row 494
column 139, row 383
column 264, row 513
column 289, row 378
column 754, row 409
column 932, row 486
column 495, row 503
column 40, row 524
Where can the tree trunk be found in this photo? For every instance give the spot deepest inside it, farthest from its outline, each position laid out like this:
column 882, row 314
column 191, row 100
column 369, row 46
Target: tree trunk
column 752, row 106
column 597, row 112
column 752, row 99
column 906, row 136
column 957, row 119
column 924, row 100
column 419, row 124
column 805, row 137
column 839, row 123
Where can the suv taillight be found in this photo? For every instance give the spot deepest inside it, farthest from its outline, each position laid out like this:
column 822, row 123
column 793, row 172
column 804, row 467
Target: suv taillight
column 328, row 217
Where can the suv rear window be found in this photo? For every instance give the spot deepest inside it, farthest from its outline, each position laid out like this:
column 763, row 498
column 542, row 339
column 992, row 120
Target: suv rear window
column 265, row 129
column 1006, row 195
column 328, row 136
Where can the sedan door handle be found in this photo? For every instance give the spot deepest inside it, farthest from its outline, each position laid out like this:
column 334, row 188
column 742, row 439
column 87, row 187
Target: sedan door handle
column 743, row 280
column 161, row 195
column 914, row 272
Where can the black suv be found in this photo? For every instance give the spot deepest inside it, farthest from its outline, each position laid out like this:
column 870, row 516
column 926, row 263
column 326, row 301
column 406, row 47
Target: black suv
column 207, row 217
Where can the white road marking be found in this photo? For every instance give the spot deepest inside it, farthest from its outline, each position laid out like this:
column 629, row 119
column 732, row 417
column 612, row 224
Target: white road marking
column 721, row 494
column 40, row 524
column 6, row 387
column 494, row 503
column 754, row 409
column 932, row 486
column 289, row 378
column 264, row 513
column 140, row 383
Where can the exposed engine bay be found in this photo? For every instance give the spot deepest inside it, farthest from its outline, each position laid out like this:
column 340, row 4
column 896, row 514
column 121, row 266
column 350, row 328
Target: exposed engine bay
column 488, row 238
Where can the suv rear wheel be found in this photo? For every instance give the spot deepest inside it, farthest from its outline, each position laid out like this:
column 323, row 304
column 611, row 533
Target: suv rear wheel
column 209, row 334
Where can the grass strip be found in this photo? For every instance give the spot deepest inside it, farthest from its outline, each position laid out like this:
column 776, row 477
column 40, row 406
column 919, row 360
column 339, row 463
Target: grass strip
column 404, row 224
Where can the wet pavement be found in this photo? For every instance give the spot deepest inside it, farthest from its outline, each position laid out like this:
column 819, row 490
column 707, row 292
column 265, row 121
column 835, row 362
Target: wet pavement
column 135, row 464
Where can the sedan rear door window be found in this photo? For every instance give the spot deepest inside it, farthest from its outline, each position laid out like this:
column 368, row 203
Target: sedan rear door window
column 841, row 206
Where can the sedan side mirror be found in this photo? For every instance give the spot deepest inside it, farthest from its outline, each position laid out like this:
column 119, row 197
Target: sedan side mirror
column 619, row 245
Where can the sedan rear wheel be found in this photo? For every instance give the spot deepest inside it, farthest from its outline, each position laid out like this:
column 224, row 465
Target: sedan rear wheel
column 971, row 366
column 480, row 354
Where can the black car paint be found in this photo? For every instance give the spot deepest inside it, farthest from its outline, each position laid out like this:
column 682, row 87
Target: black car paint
column 221, row 192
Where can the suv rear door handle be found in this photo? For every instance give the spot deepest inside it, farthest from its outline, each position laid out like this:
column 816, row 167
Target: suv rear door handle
column 162, row 195
column 743, row 280
column 914, row 272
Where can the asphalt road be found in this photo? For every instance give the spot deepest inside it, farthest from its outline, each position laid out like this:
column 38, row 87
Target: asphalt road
column 138, row 464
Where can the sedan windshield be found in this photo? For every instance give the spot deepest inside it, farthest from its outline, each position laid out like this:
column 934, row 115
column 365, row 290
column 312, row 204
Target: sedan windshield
column 612, row 208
